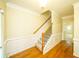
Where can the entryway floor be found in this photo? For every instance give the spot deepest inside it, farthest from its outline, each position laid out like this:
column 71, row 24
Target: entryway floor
column 62, row 50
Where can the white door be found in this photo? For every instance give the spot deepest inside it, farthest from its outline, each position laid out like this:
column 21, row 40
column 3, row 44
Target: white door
column 68, row 33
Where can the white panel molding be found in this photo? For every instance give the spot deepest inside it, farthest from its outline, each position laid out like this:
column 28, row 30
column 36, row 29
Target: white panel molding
column 52, row 42
column 39, row 46
column 18, row 44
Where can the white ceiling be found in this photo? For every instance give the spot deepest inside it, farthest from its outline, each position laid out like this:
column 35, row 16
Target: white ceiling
column 63, row 7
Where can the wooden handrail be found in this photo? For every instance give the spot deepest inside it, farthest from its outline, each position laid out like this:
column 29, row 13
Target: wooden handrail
column 41, row 25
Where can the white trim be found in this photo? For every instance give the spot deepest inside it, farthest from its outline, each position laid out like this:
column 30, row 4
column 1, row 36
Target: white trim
column 67, row 16
column 2, row 28
column 52, row 40
column 75, row 54
column 76, row 48
column 14, row 46
column 16, row 38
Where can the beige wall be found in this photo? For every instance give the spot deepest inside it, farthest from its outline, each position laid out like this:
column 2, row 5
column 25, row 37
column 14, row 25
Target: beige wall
column 2, row 4
column 20, row 25
column 20, row 22
column 56, row 24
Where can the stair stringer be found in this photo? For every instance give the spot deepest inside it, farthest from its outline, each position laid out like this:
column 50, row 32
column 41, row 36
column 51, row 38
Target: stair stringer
column 39, row 45
column 52, row 42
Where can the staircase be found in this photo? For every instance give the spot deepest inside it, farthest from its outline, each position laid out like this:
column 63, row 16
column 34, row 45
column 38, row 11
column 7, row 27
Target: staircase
column 45, row 30
column 47, row 34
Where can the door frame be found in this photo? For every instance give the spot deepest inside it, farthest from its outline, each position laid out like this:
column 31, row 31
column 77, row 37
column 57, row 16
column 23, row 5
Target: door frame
column 2, row 30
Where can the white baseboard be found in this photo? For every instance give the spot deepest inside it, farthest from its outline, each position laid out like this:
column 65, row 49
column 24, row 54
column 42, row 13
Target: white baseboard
column 16, row 45
column 39, row 46
column 77, row 55
column 76, row 47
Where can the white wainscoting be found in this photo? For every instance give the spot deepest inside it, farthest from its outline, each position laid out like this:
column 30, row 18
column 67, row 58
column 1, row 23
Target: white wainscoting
column 18, row 44
column 39, row 46
column 76, row 47
column 52, row 42
column 38, row 35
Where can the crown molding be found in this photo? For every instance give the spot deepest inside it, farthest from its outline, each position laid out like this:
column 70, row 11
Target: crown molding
column 15, row 6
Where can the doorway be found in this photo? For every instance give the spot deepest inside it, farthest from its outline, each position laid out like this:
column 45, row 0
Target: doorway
column 68, row 29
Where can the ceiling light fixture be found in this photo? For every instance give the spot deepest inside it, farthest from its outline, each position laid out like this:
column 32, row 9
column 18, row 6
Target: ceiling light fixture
column 43, row 3
column 69, row 27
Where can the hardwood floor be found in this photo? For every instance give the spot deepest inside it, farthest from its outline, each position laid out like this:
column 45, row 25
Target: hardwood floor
column 62, row 50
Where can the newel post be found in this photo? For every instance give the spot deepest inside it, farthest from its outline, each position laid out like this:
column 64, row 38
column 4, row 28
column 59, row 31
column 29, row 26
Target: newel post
column 42, row 40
